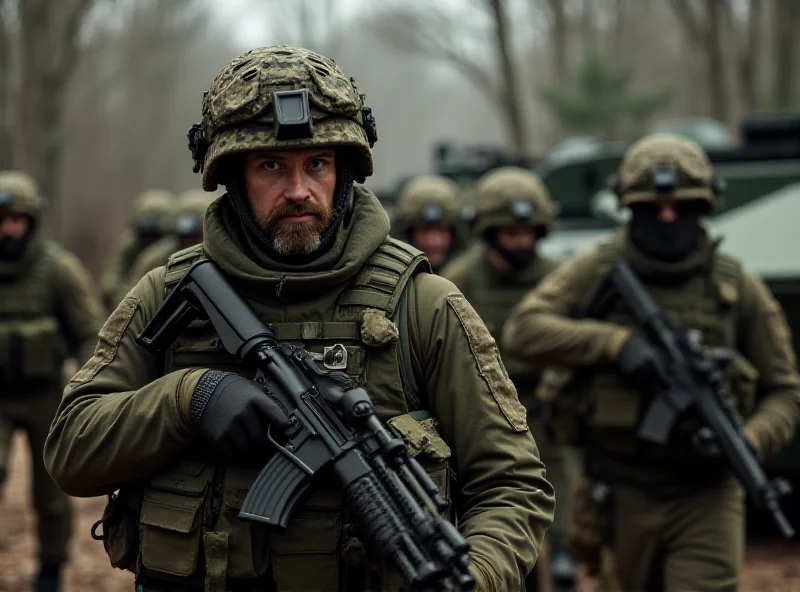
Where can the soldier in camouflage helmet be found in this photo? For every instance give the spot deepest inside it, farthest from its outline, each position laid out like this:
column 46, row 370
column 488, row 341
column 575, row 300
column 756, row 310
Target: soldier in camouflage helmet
column 672, row 519
column 48, row 312
column 152, row 213
column 187, row 230
column 288, row 134
column 515, row 211
column 427, row 216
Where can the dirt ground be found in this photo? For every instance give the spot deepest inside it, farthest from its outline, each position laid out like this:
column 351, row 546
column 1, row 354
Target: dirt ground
column 771, row 566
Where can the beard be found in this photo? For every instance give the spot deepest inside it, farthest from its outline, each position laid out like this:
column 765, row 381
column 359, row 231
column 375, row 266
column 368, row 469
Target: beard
column 296, row 238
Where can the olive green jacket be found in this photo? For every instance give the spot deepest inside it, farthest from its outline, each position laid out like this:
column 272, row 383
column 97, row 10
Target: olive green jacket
column 121, row 420
column 542, row 331
column 77, row 306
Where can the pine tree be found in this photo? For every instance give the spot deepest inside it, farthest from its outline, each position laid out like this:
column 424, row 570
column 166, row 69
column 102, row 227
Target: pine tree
column 599, row 100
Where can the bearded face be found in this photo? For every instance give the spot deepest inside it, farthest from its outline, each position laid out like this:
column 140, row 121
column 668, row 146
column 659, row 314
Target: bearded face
column 296, row 227
column 291, row 195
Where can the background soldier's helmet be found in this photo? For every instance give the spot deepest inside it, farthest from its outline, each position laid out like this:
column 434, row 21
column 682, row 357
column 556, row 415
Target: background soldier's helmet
column 512, row 195
column 153, row 211
column 666, row 165
column 191, row 210
column 429, row 199
column 239, row 111
column 20, row 193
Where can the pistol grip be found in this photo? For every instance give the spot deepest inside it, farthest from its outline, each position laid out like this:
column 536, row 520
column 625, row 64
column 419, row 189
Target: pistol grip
column 276, row 492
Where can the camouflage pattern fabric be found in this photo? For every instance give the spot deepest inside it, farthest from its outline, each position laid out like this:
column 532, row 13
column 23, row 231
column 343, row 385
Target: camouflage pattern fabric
column 424, row 200
column 512, row 195
column 20, row 193
column 238, row 115
column 693, row 170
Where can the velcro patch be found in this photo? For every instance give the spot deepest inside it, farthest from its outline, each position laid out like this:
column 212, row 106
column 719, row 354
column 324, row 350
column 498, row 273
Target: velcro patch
column 108, row 340
column 484, row 350
column 376, row 329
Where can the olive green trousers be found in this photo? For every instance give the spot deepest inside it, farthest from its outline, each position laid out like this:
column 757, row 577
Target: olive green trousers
column 690, row 543
column 33, row 414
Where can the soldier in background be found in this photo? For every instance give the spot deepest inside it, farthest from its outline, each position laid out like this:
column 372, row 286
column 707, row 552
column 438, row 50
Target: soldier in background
column 187, row 231
column 428, row 216
column 152, row 212
column 48, row 311
column 514, row 212
column 668, row 517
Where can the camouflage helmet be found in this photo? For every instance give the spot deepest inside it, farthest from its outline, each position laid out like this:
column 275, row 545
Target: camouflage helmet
column 427, row 199
column 669, row 165
column 190, row 211
column 316, row 105
column 20, row 193
column 153, row 211
column 512, row 195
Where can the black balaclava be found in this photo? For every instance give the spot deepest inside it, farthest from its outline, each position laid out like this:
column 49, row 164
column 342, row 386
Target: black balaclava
column 12, row 249
column 237, row 192
column 517, row 258
column 664, row 241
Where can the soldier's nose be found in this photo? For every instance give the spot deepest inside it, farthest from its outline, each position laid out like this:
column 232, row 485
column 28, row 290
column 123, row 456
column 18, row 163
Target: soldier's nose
column 667, row 211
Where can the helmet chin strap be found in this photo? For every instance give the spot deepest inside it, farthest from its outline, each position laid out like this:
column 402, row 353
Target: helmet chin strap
column 237, row 192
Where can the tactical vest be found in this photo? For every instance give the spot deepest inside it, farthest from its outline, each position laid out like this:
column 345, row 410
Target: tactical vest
column 494, row 301
column 31, row 347
column 184, row 523
column 607, row 409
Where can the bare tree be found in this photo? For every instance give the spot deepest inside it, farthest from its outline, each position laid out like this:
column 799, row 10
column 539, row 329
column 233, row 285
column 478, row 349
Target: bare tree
column 49, row 46
column 706, row 33
column 462, row 43
column 786, row 46
column 560, row 36
column 6, row 144
column 750, row 36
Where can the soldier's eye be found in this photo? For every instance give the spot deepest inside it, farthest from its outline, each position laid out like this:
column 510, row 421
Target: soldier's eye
column 271, row 165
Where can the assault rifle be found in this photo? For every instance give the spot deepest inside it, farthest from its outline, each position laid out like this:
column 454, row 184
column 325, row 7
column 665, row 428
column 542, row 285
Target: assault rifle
column 333, row 425
column 692, row 382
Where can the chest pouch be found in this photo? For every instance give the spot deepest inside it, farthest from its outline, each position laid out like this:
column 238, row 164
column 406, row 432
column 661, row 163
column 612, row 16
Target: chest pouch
column 32, row 351
column 175, row 507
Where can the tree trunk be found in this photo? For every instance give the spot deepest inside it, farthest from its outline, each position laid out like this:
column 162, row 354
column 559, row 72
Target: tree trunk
column 560, row 42
column 749, row 53
column 6, row 145
column 787, row 19
column 720, row 99
column 512, row 110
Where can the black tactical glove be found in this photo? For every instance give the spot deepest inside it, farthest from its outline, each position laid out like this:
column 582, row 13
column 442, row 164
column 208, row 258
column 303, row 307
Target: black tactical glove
column 234, row 413
column 640, row 363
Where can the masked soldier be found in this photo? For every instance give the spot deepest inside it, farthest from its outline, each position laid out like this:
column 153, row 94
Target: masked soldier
column 48, row 312
column 514, row 212
column 428, row 216
column 183, row 436
column 669, row 517
column 152, row 212
column 187, row 230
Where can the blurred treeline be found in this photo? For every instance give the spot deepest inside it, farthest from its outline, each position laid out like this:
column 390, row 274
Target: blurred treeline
column 96, row 95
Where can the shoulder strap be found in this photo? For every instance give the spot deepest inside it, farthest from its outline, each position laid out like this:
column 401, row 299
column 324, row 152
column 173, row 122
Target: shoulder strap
column 381, row 281
column 178, row 264
column 726, row 277
column 381, row 284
